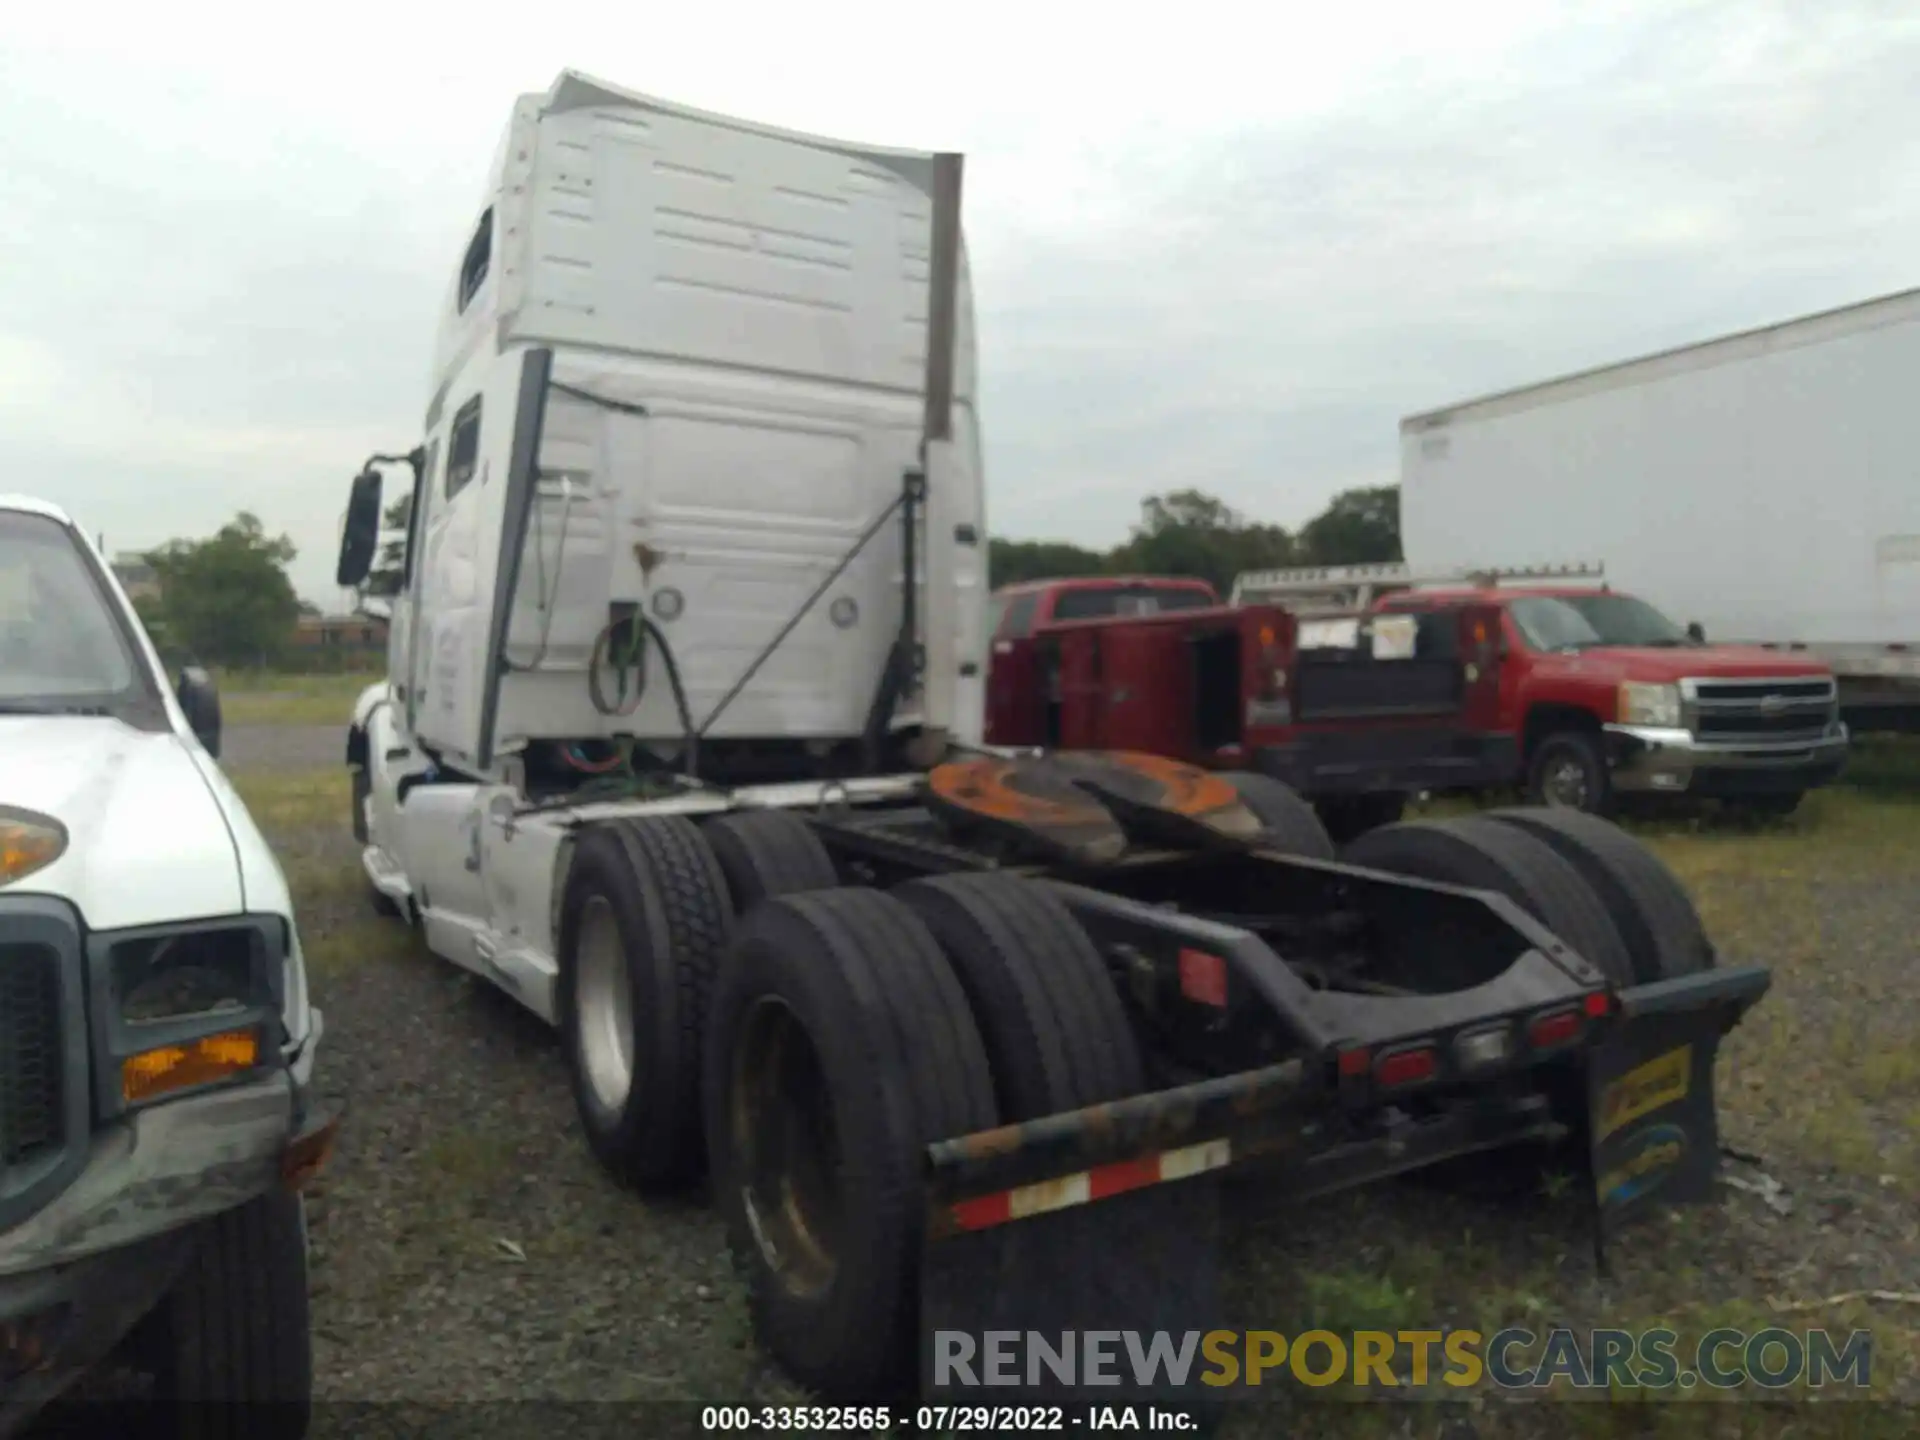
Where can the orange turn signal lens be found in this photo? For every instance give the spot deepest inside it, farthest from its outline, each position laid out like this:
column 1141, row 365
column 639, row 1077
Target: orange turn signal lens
column 181, row 1067
column 28, row 842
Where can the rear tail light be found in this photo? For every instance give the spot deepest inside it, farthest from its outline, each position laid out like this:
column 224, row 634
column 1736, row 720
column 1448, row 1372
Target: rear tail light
column 1203, row 978
column 1597, row 1004
column 1414, row 1065
column 1556, row 1029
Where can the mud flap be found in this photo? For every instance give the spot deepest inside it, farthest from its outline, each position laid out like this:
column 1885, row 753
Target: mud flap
column 1654, row 1132
column 1141, row 1262
column 1086, row 1233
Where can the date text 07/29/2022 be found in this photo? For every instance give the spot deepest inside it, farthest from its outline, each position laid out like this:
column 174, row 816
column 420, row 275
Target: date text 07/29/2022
column 943, row 1419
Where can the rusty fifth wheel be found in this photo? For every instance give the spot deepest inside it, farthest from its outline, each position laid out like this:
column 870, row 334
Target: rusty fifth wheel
column 1083, row 807
column 841, row 1046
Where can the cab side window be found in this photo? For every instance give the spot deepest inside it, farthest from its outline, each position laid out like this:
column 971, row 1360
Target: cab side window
column 1436, row 635
column 463, row 448
column 417, row 502
column 1019, row 618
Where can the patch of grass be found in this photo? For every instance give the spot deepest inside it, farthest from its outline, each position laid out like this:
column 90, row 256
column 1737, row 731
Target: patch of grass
column 264, row 697
column 334, row 951
column 283, row 801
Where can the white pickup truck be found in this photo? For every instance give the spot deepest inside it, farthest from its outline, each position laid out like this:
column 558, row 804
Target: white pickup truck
column 156, row 1040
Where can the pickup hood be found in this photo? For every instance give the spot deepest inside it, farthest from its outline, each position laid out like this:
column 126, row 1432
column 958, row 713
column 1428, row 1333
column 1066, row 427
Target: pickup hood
column 148, row 842
column 1664, row 666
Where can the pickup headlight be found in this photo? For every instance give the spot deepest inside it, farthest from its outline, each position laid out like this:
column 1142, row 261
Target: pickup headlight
column 182, row 1007
column 1643, row 704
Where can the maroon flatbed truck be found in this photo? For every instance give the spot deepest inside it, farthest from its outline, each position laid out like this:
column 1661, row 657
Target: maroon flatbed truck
column 1352, row 713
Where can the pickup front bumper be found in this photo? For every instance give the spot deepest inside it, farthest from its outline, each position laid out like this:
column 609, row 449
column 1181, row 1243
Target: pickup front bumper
column 1649, row 759
column 79, row 1273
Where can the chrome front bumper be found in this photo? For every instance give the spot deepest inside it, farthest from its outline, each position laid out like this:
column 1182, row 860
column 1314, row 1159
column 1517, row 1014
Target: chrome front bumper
column 1673, row 761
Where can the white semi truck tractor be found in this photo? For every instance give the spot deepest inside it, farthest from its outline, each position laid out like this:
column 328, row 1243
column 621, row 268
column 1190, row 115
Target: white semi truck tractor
column 680, row 746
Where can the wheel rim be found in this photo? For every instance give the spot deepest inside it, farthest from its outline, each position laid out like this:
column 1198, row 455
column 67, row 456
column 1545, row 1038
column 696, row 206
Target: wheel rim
column 787, row 1149
column 603, row 999
column 1563, row 783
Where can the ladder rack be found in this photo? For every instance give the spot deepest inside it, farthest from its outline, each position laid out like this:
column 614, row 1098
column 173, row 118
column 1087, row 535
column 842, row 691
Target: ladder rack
column 1356, row 586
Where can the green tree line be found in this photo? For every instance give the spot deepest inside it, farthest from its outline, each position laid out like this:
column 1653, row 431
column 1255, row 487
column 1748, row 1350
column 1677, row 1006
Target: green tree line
column 1188, row 532
column 226, row 599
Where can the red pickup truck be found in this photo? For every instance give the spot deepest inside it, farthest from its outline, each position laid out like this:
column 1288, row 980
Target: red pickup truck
column 1606, row 697
column 1577, row 693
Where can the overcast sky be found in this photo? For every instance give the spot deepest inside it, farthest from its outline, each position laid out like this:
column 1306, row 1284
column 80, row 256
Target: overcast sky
column 1226, row 247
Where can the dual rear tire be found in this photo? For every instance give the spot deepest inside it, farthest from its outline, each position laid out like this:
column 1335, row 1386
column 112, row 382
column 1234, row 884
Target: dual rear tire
column 811, row 1042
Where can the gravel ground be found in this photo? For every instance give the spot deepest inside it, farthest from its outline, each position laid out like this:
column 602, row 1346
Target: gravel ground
column 467, row 1248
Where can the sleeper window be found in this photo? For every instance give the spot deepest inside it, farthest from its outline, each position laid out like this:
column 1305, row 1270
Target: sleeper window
column 463, row 450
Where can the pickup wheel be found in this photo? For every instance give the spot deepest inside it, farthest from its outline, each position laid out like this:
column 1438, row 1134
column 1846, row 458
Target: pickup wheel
column 840, row 1046
column 1056, row 1035
column 642, row 929
column 1290, row 822
column 1568, row 771
column 235, row 1350
column 768, row 852
column 1662, row 930
column 1483, row 854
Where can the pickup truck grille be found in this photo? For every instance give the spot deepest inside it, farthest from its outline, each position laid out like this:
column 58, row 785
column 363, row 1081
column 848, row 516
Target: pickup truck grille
column 1760, row 711
column 32, row 1069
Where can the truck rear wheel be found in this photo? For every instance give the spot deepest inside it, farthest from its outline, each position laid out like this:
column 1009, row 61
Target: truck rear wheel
column 1484, row 855
column 768, row 852
column 1056, row 1035
column 1568, row 771
column 235, row 1351
column 1289, row 821
column 642, row 929
column 840, row 1046
column 1662, row 930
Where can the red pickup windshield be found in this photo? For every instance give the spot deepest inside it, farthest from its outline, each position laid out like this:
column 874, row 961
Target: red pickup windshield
column 1581, row 622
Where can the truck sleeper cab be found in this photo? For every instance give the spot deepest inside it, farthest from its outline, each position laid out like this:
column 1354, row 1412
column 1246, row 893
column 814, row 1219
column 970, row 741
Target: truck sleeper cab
column 963, row 1045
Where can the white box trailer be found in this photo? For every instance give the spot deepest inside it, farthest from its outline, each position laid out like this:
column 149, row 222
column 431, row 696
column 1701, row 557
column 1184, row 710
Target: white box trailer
column 1766, row 485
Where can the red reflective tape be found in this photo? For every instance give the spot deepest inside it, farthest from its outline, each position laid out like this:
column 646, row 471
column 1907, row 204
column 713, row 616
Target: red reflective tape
column 1125, row 1175
column 984, row 1212
column 1066, row 1191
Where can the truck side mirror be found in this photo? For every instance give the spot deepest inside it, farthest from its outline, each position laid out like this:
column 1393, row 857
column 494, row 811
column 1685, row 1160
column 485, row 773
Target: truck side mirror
column 361, row 536
column 199, row 698
column 1696, row 632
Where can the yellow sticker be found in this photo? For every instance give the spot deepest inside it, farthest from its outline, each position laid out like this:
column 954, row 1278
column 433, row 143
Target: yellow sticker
column 1641, row 1091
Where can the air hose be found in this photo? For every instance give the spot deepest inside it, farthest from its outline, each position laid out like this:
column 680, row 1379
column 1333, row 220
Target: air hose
column 629, row 664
